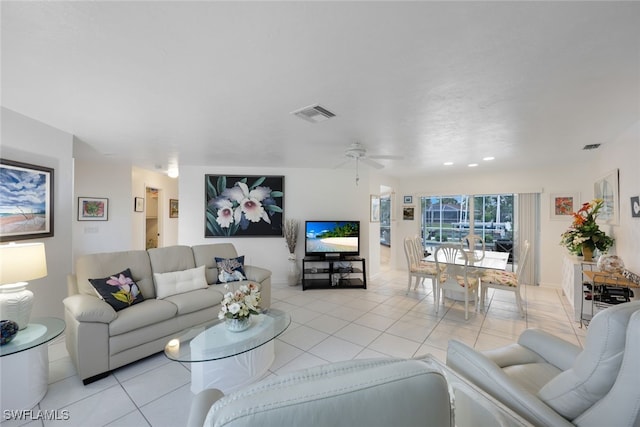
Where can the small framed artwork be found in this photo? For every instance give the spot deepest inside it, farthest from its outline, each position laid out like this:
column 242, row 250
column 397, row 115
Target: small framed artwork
column 408, row 200
column 375, row 208
column 173, row 208
column 27, row 201
column 563, row 205
column 606, row 188
column 138, row 204
column 635, row 207
column 93, row 209
column 408, row 213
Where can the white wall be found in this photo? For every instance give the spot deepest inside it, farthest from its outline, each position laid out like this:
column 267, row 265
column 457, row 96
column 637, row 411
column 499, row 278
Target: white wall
column 309, row 194
column 109, row 178
column 624, row 154
column 29, row 141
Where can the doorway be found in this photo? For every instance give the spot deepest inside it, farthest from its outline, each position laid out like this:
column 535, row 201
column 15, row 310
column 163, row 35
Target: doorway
column 386, row 220
column 152, row 219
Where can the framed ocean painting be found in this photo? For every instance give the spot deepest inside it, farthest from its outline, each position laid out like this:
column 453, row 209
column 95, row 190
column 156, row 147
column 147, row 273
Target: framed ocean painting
column 26, row 201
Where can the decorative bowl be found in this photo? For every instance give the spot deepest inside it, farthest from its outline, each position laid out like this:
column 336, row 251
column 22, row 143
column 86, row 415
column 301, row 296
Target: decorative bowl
column 610, row 264
column 8, row 331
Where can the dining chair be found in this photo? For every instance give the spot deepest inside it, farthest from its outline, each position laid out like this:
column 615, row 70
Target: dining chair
column 507, row 280
column 473, row 241
column 457, row 275
column 417, row 267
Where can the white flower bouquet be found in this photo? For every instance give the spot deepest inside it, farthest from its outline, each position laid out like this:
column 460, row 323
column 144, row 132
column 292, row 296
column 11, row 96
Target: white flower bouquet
column 240, row 303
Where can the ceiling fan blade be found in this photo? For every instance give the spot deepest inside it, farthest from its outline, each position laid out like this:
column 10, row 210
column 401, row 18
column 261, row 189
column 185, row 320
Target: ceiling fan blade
column 372, row 163
column 390, row 157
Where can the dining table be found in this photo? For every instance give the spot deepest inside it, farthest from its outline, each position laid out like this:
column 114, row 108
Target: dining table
column 493, row 260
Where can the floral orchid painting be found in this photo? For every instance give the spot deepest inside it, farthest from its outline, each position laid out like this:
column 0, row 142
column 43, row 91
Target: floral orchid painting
column 243, row 206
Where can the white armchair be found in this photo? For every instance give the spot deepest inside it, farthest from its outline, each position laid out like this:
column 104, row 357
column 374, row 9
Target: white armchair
column 363, row 392
column 551, row 382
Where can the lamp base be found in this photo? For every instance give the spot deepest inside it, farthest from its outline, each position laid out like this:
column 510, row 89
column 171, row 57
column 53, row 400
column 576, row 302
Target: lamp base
column 16, row 302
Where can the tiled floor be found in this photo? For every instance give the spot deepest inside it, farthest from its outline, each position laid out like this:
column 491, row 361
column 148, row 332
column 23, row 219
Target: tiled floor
column 327, row 326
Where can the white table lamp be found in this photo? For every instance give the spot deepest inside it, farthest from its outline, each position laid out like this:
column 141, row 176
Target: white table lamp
column 19, row 262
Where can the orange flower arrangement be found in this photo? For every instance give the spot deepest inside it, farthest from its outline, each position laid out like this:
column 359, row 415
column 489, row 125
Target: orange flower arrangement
column 584, row 230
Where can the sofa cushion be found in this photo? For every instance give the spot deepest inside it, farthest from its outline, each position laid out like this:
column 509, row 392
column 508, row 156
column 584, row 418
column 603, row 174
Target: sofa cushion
column 104, row 264
column 118, row 290
column 596, row 367
column 178, row 282
column 231, row 269
column 200, row 299
column 206, row 255
column 171, row 258
column 148, row 312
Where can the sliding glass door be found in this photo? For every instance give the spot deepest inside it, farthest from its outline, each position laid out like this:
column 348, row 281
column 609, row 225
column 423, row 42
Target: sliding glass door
column 448, row 219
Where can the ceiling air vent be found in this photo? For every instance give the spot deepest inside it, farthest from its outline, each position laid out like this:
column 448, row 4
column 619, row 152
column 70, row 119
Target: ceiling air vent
column 314, row 113
column 591, row 146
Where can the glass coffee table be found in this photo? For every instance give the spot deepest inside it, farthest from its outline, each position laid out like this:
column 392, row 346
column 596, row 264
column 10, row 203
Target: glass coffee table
column 228, row 360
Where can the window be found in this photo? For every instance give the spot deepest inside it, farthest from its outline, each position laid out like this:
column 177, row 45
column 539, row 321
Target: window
column 447, row 219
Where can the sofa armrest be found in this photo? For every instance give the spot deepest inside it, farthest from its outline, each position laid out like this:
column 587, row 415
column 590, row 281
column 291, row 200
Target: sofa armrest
column 85, row 308
column 556, row 351
column 483, row 372
column 200, row 406
column 256, row 274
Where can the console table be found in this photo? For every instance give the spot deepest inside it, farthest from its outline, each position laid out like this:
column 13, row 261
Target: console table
column 322, row 273
column 599, row 280
column 572, row 282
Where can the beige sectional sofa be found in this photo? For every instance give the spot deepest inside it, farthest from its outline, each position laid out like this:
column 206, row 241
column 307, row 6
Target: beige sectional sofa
column 100, row 339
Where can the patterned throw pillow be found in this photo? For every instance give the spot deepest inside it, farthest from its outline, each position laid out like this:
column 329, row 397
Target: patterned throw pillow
column 119, row 290
column 230, row 269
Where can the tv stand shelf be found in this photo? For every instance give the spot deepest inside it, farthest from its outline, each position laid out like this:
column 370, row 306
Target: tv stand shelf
column 326, row 273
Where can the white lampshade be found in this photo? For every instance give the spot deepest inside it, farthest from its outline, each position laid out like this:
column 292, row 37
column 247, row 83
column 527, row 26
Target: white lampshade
column 19, row 262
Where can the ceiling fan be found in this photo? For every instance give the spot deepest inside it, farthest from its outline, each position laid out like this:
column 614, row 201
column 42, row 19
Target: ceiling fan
column 357, row 152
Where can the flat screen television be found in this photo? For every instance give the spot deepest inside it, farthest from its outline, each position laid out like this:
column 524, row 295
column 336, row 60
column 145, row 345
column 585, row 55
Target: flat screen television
column 332, row 239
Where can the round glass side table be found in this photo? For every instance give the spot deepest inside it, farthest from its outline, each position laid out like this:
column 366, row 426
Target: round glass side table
column 24, row 364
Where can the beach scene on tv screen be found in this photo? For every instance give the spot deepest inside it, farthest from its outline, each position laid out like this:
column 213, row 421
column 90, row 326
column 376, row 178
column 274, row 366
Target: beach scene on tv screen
column 332, row 237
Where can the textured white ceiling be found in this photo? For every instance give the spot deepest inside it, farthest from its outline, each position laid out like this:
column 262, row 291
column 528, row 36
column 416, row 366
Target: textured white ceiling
column 213, row 83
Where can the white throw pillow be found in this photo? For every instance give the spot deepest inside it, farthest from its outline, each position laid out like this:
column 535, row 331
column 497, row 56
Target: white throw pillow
column 178, row 282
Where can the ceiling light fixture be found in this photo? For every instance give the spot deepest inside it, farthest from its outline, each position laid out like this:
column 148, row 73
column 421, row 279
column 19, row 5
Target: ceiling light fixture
column 488, row 158
column 173, row 172
column 472, row 165
column 448, row 163
column 591, row 146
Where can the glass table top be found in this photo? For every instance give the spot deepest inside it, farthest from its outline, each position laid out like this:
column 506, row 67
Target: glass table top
column 213, row 341
column 38, row 331
column 493, row 260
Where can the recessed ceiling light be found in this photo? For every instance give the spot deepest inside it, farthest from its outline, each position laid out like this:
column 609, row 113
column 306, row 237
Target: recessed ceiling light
column 591, row 146
column 472, row 165
column 488, row 158
column 448, row 163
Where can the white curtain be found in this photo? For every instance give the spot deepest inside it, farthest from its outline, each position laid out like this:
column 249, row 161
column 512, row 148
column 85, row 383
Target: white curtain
column 528, row 224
